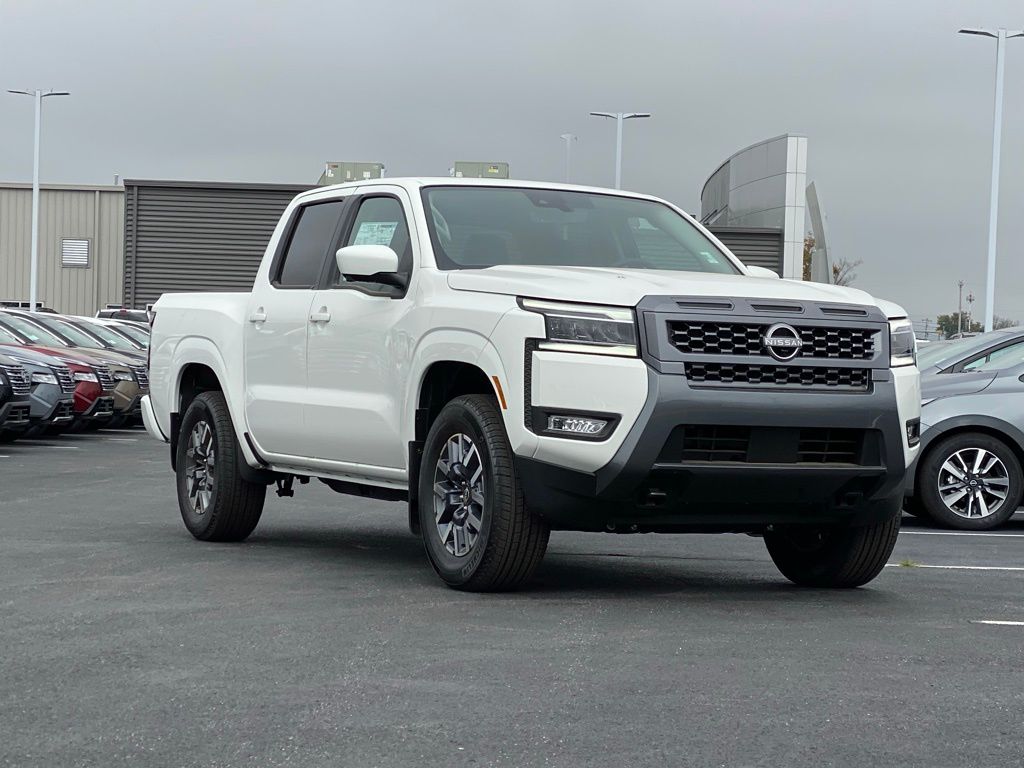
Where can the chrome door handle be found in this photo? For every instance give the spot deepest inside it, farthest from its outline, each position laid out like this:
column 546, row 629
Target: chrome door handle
column 259, row 316
column 323, row 316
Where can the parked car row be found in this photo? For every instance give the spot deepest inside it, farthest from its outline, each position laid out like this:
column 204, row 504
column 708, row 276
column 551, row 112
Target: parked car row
column 969, row 473
column 63, row 373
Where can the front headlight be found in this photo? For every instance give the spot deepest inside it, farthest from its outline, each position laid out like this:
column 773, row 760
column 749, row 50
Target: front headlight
column 123, row 376
column 83, row 376
column 44, row 378
column 589, row 328
column 902, row 344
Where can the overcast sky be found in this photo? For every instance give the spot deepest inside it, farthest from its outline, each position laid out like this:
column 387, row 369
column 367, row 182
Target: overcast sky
column 897, row 107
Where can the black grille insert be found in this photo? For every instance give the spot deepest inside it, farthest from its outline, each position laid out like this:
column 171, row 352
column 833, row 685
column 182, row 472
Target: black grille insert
column 823, row 445
column 797, row 376
column 720, row 444
column 710, row 442
column 822, row 342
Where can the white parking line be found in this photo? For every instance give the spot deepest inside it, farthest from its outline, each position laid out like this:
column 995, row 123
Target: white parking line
column 957, row 567
column 962, row 533
column 997, row 623
column 122, row 440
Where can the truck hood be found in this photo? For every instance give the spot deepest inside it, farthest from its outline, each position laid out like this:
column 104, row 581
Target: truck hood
column 626, row 287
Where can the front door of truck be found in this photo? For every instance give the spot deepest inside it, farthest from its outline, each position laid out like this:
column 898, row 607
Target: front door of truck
column 360, row 345
column 275, row 331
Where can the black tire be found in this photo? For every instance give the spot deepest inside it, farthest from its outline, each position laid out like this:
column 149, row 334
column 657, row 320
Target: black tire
column 931, row 468
column 234, row 505
column 510, row 542
column 9, row 436
column 833, row 557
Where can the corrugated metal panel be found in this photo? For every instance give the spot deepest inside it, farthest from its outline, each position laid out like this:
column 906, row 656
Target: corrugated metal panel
column 195, row 236
column 89, row 213
column 754, row 247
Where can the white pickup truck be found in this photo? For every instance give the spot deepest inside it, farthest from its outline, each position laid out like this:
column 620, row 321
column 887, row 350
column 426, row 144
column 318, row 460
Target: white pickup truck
column 514, row 357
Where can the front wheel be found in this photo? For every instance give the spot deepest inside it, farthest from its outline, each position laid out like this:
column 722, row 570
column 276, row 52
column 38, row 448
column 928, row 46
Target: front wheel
column 476, row 528
column 833, row 557
column 216, row 502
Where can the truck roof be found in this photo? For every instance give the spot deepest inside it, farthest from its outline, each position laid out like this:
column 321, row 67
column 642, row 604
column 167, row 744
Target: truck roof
column 415, row 183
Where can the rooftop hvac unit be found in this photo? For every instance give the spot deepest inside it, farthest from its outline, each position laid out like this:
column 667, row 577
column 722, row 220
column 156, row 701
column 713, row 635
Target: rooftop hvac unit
column 339, row 173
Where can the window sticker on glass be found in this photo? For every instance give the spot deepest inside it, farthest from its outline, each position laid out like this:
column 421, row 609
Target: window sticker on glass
column 375, row 233
column 710, row 258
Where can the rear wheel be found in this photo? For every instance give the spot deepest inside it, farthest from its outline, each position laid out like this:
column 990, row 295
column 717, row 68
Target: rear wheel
column 216, row 502
column 834, row 556
column 476, row 528
column 970, row 481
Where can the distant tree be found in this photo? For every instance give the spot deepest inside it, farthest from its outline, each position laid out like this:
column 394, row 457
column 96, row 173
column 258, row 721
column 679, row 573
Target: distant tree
column 948, row 325
column 1003, row 322
column 843, row 271
column 809, row 244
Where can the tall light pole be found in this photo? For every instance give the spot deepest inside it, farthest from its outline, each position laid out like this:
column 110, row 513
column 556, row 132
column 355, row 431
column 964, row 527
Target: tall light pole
column 34, row 266
column 1001, row 36
column 568, row 138
column 619, row 117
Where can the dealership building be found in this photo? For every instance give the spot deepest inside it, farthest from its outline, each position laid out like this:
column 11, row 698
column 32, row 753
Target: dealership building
column 129, row 244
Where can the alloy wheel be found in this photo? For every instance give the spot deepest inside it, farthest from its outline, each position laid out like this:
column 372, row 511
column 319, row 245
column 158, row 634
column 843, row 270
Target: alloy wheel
column 200, row 460
column 459, row 495
column 973, row 483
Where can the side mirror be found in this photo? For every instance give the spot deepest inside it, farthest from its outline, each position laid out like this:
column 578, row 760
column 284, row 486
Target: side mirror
column 366, row 260
column 762, row 272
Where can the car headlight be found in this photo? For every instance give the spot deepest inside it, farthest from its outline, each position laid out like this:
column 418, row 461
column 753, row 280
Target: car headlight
column 44, row 378
column 83, row 376
column 589, row 328
column 123, row 376
column 902, row 343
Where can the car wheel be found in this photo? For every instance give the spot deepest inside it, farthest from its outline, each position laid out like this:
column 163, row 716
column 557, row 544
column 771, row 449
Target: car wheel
column 216, row 502
column 835, row 557
column 970, row 481
column 476, row 528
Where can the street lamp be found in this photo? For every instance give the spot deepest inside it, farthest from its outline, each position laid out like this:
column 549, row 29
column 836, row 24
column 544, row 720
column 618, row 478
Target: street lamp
column 618, row 117
column 34, row 268
column 1001, row 36
column 568, row 138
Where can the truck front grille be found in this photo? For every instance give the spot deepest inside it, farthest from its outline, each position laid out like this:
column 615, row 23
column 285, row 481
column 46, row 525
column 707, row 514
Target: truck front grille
column 796, row 376
column 65, row 379
column 106, row 379
column 18, row 378
column 820, row 342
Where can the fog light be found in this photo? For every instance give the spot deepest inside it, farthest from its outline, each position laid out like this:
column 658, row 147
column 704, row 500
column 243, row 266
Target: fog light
column 913, row 432
column 576, row 425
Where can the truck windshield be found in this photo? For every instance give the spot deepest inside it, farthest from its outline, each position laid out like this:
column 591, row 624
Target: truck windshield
column 478, row 227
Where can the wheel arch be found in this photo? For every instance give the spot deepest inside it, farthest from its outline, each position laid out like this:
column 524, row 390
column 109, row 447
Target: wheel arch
column 440, row 382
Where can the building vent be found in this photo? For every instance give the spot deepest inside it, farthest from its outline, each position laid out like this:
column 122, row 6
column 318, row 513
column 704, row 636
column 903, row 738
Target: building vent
column 74, row 253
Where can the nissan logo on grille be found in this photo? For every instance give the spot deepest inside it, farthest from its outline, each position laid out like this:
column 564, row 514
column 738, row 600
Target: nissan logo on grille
column 783, row 342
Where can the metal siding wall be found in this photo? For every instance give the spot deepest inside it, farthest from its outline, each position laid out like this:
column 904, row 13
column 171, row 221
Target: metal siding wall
column 64, row 213
column 755, row 248
column 197, row 238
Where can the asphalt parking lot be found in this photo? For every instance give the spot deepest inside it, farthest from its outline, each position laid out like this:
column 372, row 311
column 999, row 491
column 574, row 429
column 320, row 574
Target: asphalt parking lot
column 326, row 640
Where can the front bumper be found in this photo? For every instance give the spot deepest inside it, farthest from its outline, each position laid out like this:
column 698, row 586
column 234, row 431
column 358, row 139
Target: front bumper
column 127, row 398
column 102, row 409
column 15, row 415
column 651, row 485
